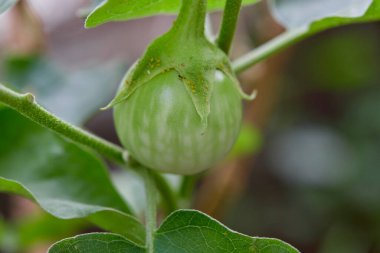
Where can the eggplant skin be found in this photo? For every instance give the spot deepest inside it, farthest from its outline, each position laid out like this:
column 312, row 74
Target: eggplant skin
column 160, row 127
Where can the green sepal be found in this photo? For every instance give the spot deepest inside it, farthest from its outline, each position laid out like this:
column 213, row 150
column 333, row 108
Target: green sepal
column 186, row 50
column 231, row 75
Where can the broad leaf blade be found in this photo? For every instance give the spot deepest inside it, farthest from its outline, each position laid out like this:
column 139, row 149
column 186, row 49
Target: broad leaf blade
column 314, row 16
column 190, row 231
column 64, row 179
column 96, row 243
column 6, row 4
column 115, row 10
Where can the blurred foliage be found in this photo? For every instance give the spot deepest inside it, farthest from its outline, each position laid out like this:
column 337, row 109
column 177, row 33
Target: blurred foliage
column 73, row 94
column 316, row 181
column 341, row 62
column 249, row 142
column 36, row 229
column 56, row 176
column 131, row 188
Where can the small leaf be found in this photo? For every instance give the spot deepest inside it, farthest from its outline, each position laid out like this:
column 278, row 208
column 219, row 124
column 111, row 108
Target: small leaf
column 314, row 16
column 6, row 4
column 64, row 179
column 190, row 231
column 96, row 243
column 115, row 10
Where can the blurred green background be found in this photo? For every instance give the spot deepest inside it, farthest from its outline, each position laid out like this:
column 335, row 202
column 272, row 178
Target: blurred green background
column 307, row 163
column 316, row 180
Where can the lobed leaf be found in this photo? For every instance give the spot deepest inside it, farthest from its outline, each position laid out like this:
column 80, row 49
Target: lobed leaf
column 64, row 179
column 116, row 10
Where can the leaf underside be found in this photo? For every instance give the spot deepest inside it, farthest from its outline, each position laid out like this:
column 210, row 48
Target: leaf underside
column 315, row 16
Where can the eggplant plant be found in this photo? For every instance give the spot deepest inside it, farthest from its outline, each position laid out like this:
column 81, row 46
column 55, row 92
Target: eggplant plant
column 178, row 110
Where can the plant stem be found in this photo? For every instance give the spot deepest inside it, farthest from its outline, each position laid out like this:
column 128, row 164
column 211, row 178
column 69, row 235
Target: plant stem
column 151, row 209
column 190, row 22
column 273, row 46
column 169, row 198
column 186, row 189
column 25, row 104
column 228, row 26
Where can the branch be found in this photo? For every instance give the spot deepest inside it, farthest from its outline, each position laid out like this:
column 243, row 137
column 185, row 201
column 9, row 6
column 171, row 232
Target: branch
column 169, row 199
column 268, row 49
column 26, row 105
column 151, row 208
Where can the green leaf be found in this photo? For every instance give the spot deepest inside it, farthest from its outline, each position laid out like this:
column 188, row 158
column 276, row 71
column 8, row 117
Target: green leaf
column 64, row 179
column 184, row 231
column 6, row 4
column 116, row 10
column 96, row 243
column 314, row 16
column 130, row 186
column 83, row 12
column 190, row 231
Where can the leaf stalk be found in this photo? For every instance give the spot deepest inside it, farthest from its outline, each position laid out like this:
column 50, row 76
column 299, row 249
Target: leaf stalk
column 26, row 105
column 151, row 208
column 266, row 50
